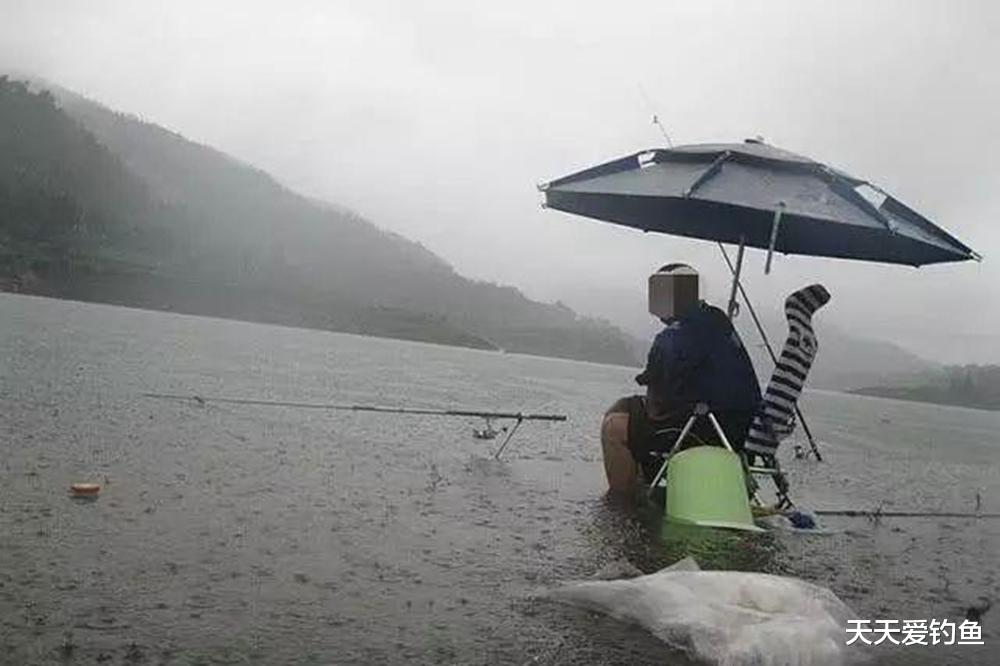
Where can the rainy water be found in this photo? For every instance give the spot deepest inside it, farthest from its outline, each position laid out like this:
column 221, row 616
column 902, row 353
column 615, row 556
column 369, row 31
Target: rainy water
column 229, row 534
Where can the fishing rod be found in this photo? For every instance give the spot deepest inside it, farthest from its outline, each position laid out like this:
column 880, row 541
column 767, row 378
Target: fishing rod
column 656, row 117
column 806, row 520
column 878, row 513
column 518, row 417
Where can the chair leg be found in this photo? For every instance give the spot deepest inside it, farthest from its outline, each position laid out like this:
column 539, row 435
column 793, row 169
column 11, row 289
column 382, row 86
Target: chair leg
column 781, row 484
column 720, row 432
column 769, row 465
column 673, row 449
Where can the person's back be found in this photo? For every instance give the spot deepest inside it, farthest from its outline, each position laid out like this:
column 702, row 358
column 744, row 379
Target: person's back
column 698, row 357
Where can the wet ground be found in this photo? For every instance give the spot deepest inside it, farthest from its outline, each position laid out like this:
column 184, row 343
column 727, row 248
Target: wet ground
column 233, row 534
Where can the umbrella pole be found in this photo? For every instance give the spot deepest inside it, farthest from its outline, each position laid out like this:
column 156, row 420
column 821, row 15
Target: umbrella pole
column 774, row 235
column 763, row 336
column 731, row 309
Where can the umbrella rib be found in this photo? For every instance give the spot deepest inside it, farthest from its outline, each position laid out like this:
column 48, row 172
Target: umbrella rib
column 707, row 174
column 844, row 188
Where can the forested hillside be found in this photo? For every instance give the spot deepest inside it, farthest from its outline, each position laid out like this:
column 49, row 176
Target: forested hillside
column 964, row 385
column 101, row 206
column 65, row 200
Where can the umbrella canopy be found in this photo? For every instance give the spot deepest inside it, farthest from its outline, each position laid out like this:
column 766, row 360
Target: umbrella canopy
column 762, row 195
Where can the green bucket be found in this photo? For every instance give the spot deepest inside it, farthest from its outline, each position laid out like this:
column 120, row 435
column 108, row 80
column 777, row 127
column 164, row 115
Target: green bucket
column 706, row 487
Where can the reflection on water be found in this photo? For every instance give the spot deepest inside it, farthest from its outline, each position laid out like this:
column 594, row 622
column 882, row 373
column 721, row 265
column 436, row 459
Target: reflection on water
column 638, row 534
column 227, row 534
column 719, row 549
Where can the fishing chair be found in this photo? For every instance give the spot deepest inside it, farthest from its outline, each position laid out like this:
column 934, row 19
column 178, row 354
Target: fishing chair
column 776, row 419
column 700, row 410
column 766, row 466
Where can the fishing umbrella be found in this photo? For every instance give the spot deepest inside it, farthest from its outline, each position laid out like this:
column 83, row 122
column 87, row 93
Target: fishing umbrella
column 753, row 194
column 758, row 195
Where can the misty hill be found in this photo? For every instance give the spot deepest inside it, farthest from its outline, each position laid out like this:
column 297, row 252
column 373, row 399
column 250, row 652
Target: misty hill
column 845, row 361
column 97, row 205
column 963, row 385
column 64, row 199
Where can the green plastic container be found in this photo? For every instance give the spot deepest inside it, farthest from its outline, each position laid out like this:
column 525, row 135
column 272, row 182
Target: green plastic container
column 706, row 487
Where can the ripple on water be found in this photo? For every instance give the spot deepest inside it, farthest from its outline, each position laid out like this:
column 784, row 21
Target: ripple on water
column 277, row 536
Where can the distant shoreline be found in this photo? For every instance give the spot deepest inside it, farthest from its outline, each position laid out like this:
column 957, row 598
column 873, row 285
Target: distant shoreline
column 927, row 394
column 5, row 289
column 148, row 291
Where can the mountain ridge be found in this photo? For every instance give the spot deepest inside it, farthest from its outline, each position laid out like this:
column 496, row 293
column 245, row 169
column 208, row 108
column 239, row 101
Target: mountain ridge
column 974, row 386
column 214, row 235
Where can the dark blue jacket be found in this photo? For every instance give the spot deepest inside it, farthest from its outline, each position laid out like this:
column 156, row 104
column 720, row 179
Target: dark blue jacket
column 699, row 357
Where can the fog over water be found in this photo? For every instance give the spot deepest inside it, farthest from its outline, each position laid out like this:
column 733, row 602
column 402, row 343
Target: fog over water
column 437, row 119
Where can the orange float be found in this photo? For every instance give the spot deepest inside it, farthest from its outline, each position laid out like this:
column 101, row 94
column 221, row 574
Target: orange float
column 85, row 489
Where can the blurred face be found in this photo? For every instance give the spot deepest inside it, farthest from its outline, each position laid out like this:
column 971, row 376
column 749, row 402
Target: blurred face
column 673, row 291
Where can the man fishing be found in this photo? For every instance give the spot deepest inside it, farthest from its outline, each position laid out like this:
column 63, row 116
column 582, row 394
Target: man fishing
column 697, row 358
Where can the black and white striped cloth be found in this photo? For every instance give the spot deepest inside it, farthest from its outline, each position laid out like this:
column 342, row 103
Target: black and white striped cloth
column 776, row 418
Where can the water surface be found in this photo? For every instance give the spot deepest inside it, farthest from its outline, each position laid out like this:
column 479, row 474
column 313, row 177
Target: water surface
column 231, row 534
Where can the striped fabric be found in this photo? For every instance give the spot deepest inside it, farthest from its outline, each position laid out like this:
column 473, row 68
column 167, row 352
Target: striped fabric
column 776, row 418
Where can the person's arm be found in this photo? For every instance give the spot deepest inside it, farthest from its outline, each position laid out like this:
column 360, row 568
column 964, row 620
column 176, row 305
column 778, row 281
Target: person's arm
column 675, row 354
column 653, row 372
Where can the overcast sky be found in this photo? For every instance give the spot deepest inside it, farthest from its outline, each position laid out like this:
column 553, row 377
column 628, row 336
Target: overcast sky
column 437, row 119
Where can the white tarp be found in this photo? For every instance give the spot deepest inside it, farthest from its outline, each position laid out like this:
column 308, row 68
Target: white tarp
column 730, row 618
